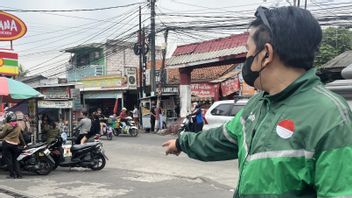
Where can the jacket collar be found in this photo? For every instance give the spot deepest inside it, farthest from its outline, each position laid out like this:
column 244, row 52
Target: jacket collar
column 306, row 81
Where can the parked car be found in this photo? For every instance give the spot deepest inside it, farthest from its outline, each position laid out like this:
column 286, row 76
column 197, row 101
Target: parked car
column 222, row 111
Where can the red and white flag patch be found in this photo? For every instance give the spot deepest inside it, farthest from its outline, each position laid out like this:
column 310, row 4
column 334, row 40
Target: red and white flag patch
column 285, row 128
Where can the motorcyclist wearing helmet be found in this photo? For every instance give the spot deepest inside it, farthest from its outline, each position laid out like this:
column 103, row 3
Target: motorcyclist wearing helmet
column 12, row 139
column 197, row 118
column 123, row 116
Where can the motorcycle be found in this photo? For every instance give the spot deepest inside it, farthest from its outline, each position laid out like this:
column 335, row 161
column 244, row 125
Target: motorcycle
column 107, row 131
column 35, row 158
column 130, row 128
column 186, row 125
column 89, row 155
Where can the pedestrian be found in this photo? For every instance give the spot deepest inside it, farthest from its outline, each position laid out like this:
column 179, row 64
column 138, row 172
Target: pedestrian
column 24, row 126
column 84, row 125
column 152, row 117
column 157, row 119
column 45, row 125
column 135, row 114
column 53, row 133
column 293, row 138
column 12, row 140
column 161, row 117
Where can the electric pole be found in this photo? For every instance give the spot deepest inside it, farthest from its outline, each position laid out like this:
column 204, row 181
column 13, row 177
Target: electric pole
column 152, row 46
column 140, row 54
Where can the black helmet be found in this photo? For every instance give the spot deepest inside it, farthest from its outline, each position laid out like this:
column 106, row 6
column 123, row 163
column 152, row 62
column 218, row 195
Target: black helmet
column 10, row 117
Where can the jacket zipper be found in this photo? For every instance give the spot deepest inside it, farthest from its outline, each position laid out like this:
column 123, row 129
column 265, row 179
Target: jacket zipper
column 250, row 148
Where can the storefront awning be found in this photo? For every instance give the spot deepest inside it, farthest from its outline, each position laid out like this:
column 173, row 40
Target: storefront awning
column 102, row 95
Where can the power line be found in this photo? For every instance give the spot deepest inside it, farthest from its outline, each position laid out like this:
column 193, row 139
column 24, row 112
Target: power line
column 72, row 10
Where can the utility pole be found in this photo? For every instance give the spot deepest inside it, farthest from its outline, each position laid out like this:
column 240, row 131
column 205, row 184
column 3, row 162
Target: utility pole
column 162, row 70
column 305, row 4
column 152, row 46
column 298, row 3
column 140, row 54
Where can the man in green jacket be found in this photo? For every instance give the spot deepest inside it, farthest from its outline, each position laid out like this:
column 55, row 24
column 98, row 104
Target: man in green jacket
column 293, row 139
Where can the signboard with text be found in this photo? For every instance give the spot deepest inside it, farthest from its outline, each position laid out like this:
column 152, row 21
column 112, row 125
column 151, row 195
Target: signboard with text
column 131, row 75
column 52, row 104
column 230, row 86
column 204, row 90
column 11, row 27
column 112, row 81
column 56, row 92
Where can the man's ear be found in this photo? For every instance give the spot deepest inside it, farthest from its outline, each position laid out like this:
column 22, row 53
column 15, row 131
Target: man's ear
column 268, row 54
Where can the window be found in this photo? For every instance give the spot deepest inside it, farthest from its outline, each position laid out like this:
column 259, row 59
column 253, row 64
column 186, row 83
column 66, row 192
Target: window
column 222, row 110
column 235, row 109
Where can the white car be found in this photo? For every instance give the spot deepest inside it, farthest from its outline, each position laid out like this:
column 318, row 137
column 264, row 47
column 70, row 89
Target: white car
column 221, row 112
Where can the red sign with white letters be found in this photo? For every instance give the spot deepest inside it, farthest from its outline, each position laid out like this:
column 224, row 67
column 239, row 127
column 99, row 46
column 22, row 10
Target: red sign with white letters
column 11, row 27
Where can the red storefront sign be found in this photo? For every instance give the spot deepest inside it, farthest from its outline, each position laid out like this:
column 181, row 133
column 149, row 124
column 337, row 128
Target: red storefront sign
column 230, row 86
column 204, row 90
column 11, row 27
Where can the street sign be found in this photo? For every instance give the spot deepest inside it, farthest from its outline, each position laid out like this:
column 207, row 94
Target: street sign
column 11, row 27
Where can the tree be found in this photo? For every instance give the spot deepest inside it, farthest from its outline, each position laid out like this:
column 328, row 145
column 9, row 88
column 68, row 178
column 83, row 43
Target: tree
column 335, row 41
column 22, row 72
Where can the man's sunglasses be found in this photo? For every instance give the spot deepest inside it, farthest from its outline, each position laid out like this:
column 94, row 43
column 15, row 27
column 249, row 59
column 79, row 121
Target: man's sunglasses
column 260, row 13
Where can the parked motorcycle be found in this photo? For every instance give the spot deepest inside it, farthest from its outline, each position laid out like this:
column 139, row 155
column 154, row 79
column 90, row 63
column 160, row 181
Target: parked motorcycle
column 35, row 158
column 130, row 128
column 89, row 155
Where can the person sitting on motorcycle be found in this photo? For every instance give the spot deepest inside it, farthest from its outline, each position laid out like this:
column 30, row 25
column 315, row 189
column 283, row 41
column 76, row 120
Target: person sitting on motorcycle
column 12, row 139
column 197, row 118
column 84, row 126
column 123, row 116
column 95, row 128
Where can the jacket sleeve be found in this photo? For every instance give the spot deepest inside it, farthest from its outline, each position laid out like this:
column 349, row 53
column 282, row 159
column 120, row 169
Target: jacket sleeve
column 333, row 168
column 5, row 132
column 214, row 144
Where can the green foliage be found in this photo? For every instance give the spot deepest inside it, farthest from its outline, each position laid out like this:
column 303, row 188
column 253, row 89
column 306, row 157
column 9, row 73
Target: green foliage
column 335, row 41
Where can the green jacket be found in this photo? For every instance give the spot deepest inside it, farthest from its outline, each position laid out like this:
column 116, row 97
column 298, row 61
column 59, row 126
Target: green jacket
column 297, row 143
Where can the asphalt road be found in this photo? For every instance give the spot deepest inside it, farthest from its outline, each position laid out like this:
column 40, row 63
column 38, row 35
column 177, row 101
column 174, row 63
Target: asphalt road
column 137, row 167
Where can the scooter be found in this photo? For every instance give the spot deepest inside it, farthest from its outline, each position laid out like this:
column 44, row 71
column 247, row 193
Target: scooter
column 186, row 125
column 35, row 158
column 107, row 131
column 89, row 155
column 129, row 128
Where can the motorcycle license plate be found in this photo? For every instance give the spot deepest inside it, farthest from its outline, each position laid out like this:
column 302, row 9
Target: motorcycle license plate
column 47, row 152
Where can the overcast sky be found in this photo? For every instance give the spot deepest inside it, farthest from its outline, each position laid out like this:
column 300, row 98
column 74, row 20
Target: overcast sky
column 49, row 33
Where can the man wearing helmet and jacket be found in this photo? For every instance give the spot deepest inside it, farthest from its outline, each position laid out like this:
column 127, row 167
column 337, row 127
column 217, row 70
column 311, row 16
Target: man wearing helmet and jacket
column 12, row 139
column 293, row 139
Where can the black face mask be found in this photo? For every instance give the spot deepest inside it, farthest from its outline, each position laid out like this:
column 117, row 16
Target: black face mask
column 250, row 76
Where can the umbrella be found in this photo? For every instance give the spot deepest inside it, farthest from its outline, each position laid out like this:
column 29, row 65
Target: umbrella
column 12, row 90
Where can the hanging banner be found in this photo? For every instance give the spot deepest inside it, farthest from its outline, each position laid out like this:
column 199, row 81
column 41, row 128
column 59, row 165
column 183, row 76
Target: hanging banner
column 11, row 27
column 205, row 90
column 230, row 86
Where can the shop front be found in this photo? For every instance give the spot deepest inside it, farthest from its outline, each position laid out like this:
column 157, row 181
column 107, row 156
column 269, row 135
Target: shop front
column 104, row 92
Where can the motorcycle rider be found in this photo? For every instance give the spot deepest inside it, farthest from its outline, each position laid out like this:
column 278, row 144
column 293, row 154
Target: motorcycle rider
column 84, row 126
column 123, row 117
column 197, row 118
column 12, row 139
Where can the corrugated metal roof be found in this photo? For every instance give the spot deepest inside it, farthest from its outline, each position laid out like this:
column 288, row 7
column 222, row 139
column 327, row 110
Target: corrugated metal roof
column 212, row 45
column 341, row 61
column 192, row 58
column 226, row 76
